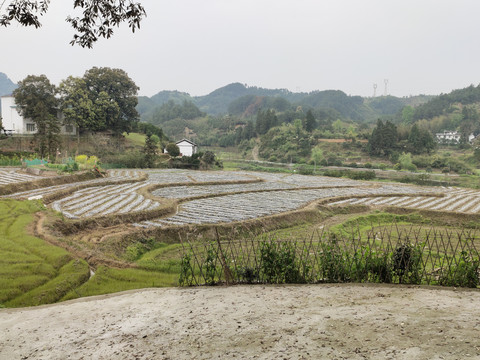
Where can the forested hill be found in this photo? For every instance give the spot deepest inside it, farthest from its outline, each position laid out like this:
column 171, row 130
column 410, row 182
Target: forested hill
column 241, row 100
column 458, row 110
column 445, row 103
column 6, row 85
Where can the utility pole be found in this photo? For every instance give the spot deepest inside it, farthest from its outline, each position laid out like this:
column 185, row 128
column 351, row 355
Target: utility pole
column 374, row 90
column 386, row 84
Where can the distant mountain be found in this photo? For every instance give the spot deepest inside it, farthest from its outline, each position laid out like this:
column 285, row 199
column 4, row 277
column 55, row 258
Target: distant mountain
column 6, row 85
column 218, row 101
column 165, row 96
column 242, row 100
column 147, row 106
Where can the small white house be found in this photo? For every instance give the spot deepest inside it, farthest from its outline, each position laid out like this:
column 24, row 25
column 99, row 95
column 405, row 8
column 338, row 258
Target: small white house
column 448, row 136
column 186, row 147
column 15, row 124
column 452, row 137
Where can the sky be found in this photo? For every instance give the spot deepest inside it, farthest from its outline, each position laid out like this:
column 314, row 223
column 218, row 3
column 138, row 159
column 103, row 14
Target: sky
column 196, row 46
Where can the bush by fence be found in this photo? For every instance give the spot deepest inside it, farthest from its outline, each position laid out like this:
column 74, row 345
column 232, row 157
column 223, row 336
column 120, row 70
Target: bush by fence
column 395, row 254
column 355, row 174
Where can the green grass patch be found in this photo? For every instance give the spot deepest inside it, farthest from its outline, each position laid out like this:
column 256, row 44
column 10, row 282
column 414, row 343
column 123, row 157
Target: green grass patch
column 69, row 277
column 32, row 272
column 109, row 280
column 363, row 223
column 135, row 139
column 165, row 259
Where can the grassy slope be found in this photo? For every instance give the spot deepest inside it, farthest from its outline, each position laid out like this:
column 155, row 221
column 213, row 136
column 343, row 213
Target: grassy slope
column 33, row 272
column 158, row 267
column 136, row 139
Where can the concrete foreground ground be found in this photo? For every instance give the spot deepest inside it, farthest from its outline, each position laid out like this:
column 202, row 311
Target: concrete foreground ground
column 251, row 322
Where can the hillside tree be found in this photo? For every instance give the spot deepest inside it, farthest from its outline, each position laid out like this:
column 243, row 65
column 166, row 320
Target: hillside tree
column 265, row 121
column 36, row 100
column 310, row 122
column 99, row 17
column 469, row 123
column 76, row 105
column 383, row 139
column 420, row 140
column 173, row 150
column 114, row 96
column 150, row 149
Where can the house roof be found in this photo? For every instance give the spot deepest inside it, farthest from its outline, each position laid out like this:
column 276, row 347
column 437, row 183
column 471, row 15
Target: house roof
column 189, row 141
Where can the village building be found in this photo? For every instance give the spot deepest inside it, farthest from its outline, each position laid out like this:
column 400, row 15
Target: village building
column 15, row 124
column 452, row 137
column 186, row 147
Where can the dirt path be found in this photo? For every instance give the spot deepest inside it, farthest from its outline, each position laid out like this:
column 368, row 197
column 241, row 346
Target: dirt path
column 264, row 322
column 255, row 152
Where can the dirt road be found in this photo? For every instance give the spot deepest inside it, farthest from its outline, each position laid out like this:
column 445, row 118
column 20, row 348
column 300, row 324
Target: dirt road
column 253, row 322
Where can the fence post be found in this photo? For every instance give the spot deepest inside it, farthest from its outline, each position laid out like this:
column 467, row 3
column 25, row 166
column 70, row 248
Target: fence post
column 226, row 270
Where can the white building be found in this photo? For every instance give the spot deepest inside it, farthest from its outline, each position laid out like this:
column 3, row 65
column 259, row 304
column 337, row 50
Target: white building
column 186, row 147
column 15, row 124
column 452, row 137
column 448, row 136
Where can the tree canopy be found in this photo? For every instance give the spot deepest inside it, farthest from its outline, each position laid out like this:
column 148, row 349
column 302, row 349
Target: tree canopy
column 36, row 100
column 114, row 97
column 310, row 122
column 420, row 140
column 286, row 143
column 98, row 19
column 265, row 121
column 77, row 106
column 173, row 150
column 170, row 110
column 383, row 139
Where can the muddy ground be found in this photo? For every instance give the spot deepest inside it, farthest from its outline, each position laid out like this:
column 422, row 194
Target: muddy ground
column 251, row 322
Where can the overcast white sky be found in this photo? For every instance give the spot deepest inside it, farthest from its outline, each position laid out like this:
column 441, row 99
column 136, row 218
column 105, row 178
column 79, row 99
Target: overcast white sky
column 197, row 46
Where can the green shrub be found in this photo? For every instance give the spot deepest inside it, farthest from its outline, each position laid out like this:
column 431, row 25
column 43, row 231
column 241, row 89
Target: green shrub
column 186, row 272
column 135, row 251
column 305, row 170
column 407, row 263
column 332, row 262
column 354, row 175
column 463, row 274
column 248, row 275
column 278, row 263
column 13, row 160
column 210, row 267
column 130, row 159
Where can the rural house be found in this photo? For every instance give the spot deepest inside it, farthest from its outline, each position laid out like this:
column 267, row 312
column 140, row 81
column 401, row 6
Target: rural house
column 15, row 124
column 452, row 136
column 187, row 147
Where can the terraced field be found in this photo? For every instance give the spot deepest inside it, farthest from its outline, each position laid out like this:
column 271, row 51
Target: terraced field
column 221, row 196
column 104, row 200
column 457, row 200
column 116, row 175
column 250, row 205
column 11, row 176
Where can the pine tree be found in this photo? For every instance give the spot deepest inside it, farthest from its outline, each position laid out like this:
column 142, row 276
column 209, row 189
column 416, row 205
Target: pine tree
column 310, row 122
column 150, row 151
